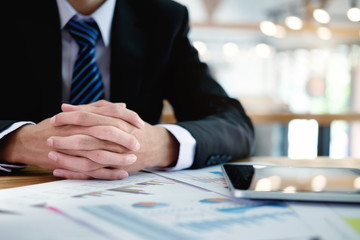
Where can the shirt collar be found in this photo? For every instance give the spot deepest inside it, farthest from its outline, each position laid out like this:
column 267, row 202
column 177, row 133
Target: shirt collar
column 103, row 16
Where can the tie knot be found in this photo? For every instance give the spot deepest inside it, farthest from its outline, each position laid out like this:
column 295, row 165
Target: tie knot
column 85, row 33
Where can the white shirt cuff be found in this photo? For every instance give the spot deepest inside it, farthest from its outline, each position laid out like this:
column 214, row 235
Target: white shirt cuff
column 13, row 127
column 5, row 166
column 187, row 147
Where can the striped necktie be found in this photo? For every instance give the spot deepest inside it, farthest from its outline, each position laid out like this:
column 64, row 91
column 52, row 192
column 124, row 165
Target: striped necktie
column 87, row 85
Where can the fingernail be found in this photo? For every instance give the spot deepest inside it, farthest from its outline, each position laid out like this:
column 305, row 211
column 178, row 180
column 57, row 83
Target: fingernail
column 123, row 175
column 52, row 120
column 73, row 107
column 131, row 159
column 58, row 173
column 52, row 156
column 50, row 142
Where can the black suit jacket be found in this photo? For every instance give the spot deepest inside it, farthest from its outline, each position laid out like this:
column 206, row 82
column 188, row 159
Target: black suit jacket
column 151, row 60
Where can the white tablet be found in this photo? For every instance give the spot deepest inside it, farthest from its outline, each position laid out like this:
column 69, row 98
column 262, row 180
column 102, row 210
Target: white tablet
column 293, row 183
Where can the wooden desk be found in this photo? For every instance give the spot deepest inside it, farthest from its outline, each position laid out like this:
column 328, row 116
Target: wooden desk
column 34, row 175
column 27, row 176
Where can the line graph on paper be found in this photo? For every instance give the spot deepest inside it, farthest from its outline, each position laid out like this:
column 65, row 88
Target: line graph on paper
column 210, row 178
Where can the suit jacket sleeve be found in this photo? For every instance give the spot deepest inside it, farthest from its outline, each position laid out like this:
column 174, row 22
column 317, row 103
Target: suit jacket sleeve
column 219, row 123
column 4, row 124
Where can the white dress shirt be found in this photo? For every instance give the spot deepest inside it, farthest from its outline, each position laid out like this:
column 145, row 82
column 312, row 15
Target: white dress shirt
column 103, row 17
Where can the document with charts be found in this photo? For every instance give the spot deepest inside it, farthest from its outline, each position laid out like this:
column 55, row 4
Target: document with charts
column 161, row 208
column 189, row 204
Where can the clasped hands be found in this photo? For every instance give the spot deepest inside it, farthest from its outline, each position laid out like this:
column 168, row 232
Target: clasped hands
column 101, row 140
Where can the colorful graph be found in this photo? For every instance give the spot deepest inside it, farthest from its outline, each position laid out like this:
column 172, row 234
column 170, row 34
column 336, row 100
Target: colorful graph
column 149, row 205
column 156, row 182
column 216, row 177
column 130, row 221
column 215, row 200
column 217, row 172
column 138, row 188
column 92, row 194
column 220, row 223
column 129, row 189
column 244, row 208
column 354, row 223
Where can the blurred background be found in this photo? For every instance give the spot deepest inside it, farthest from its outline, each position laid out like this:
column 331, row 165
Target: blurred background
column 294, row 65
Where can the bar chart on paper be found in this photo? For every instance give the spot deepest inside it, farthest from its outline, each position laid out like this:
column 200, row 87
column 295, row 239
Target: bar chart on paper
column 137, row 225
column 196, row 214
column 171, row 220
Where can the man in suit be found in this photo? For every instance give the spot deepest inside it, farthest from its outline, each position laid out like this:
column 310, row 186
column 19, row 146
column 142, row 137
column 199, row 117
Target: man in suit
column 144, row 56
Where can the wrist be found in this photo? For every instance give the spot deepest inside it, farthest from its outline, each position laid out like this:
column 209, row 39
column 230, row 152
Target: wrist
column 7, row 148
column 170, row 149
column 9, row 140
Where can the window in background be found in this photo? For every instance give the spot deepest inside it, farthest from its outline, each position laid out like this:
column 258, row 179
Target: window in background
column 300, row 71
column 307, row 80
column 303, row 139
column 317, row 81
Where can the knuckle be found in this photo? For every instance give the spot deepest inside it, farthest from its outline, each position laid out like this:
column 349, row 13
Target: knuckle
column 119, row 125
column 77, row 143
column 134, row 116
column 61, row 160
column 98, row 156
column 116, row 109
column 133, row 141
column 113, row 176
column 120, row 104
column 82, row 177
column 56, row 143
column 86, row 165
column 108, row 131
column 124, row 126
column 132, row 130
column 79, row 117
column 102, row 132
column 81, row 142
column 102, row 102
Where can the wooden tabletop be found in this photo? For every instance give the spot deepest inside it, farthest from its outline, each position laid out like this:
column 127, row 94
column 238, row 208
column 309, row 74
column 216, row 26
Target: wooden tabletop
column 26, row 176
column 33, row 175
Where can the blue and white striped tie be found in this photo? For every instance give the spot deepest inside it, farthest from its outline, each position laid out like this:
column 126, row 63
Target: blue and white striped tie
column 87, row 85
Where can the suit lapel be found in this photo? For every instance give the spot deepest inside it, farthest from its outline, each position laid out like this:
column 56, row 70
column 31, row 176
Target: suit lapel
column 44, row 44
column 128, row 46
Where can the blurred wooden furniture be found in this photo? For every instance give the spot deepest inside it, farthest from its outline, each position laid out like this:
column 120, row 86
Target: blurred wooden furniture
column 286, row 117
column 281, row 117
column 280, row 114
column 269, row 111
